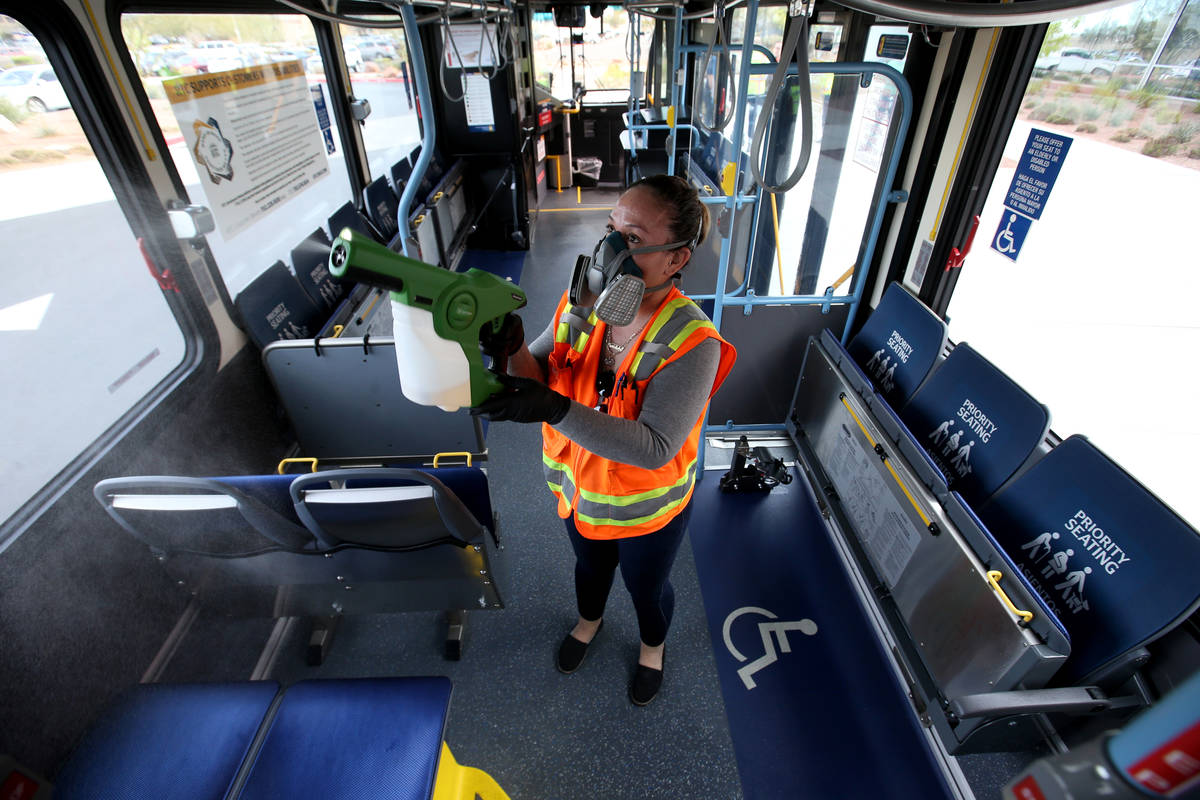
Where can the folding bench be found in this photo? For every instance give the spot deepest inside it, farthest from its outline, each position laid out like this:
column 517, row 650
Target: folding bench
column 400, row 172
column 393, row 539
column 274, row 306
column 379, row 737
column 348, row 217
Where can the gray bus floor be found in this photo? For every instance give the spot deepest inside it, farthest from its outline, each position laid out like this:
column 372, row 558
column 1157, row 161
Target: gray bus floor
column 539, row 733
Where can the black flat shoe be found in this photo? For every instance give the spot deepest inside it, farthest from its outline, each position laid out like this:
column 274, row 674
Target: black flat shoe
column 646, row 683
column 572, row 652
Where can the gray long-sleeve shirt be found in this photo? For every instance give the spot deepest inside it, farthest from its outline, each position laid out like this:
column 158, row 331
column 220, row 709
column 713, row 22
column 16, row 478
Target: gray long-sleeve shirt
column 675, row 396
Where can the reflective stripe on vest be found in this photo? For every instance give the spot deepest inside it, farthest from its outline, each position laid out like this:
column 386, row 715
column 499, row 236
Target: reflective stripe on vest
column 595, row 508
column 669, row 331
column 577, row 320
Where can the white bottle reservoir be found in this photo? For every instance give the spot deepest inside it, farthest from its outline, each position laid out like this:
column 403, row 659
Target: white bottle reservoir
column 433, row 371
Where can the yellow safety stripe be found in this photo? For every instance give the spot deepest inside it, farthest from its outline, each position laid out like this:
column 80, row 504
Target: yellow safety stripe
column 887, row 463
column 594, row 503
column 629, row 523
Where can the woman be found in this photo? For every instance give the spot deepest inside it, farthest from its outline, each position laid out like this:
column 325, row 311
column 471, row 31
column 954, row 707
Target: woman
column 621, row 386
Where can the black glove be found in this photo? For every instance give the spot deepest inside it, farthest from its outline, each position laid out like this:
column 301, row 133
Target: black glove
column 524, row 400
column 504, row 342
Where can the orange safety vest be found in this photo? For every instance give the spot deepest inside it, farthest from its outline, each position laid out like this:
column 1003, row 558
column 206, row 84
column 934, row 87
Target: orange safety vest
column 613, row 500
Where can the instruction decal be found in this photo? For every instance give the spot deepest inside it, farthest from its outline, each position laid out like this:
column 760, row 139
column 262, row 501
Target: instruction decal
column 1041, row 160
column 255, row 136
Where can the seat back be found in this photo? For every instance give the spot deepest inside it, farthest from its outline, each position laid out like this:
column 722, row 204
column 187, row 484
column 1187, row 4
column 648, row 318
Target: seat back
column 1117, row 566
column 899, row 344
column 976, row 424
column 382, row 207
column 311, row 262
column 388, row 507
column 400, row 173
column 235, row 516
column 274, row 307
column 348, row 217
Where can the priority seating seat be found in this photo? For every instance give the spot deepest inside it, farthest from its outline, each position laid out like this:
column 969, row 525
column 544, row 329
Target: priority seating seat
column 274, row 306
column 1116, row 565
column 899, row 345
column 372, row 737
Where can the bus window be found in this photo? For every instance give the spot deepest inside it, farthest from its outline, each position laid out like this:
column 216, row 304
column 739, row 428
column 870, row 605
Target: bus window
column 1091, row 305
column 276, row 211
column 601, row 53
column 380, row 74
column 85, row 334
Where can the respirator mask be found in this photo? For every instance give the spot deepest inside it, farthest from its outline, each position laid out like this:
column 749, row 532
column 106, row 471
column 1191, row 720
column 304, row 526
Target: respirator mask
column 611, row 282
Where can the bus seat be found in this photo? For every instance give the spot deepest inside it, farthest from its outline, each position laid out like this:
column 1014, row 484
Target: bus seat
column 382, row 206
column 224, row 517
column 348, row 217
column 1117, row 565
column 850, row 368
column 384, row 507
column 274, row 307
column 899, row 344
column 311, row 261
column 976, row 424
column 344, row 400
column 243, row 741
column 172, row 742
column 400, row 172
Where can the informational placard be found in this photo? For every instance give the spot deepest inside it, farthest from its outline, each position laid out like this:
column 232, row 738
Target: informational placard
column 470, row 46
column 318, row 99
column 254, row 135
column 477, row 98
column 1032, row 181
column 1036, row 172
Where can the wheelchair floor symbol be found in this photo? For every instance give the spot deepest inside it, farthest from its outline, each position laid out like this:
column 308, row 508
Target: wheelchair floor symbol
column 771, row 632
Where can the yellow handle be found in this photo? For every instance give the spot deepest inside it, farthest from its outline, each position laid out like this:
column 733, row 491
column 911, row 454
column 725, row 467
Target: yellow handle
column 671, row 116
column 463, row 454
column 282, row 468
column 994, row 577
column 420, row 218
column 437, row 197
column 337, row 330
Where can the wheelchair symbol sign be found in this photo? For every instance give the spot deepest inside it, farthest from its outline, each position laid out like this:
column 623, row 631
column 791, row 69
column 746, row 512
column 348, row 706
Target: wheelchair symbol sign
column 1010, row 234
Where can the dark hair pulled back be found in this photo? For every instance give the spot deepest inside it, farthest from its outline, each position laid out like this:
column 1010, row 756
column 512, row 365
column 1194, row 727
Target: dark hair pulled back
column 691, row 221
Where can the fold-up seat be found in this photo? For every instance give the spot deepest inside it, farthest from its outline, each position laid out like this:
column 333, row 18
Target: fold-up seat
column 898, row 345
column 274, row 306
column 973, row 424
column 382, row 207
column 310, row 259
column 348, row 217
column 1116, row 565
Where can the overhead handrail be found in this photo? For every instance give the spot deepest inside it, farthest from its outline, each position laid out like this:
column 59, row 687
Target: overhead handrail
column 795, row 45
column 718, row 33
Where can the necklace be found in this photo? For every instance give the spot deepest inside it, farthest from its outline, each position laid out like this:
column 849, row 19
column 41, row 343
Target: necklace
column 612, row 349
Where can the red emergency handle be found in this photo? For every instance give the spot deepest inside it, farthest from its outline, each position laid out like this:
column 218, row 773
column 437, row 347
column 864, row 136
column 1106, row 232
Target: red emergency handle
column 956, row 257
column 164, row 278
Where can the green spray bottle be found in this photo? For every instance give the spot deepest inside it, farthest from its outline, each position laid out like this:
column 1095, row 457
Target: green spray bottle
column 439, row 317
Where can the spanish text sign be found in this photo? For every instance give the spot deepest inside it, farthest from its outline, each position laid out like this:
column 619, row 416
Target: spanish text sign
column 1036, row 172
column 254, row 136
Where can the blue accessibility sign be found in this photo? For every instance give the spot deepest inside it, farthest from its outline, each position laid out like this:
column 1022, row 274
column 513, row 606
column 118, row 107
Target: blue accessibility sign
column 1011, row 233
column 1036, row 172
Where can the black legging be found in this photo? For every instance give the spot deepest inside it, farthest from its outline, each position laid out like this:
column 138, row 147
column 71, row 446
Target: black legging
column 645, row 567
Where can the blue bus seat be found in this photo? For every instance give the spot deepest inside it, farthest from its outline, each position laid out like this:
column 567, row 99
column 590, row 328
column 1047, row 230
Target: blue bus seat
column 274, row 307
column 400, row 172
column 348, row 217
column 221, row 517
column 977, row 425
column 384, row 507
column 183, row 742
column 1117, row 565
column 317, row 738
column 382, row 207
column 311, row 262
column 899, row 344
